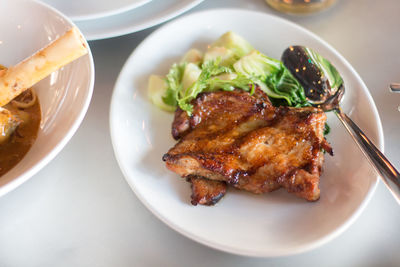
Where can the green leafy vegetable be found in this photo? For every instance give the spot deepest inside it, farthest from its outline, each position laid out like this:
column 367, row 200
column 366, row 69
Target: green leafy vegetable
column 209, row 69
column 273, row 77
column 174, row 78
column 238, row 81
column 190, row 75
column 287, row 87
column 157, row 87
column 256, row 64
column 229, row 63
column 333, row 76
column 327, row 129
column 227, row 56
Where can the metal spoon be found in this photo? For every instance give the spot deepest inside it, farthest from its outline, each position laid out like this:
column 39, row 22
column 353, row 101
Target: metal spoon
column 394, row 87
column 324, row 88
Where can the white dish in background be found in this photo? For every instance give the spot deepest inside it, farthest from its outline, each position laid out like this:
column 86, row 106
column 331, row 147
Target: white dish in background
column 64, row 96
column 267, row 225
column 151, row 14
column 94, row 9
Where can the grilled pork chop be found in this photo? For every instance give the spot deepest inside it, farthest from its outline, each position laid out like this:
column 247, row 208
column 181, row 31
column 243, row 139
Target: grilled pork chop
column 206, row 192
column 241, row 139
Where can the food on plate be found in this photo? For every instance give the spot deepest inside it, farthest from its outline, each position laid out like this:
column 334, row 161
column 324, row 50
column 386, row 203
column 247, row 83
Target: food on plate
column 243, row 140
column 28, row 72
column 241, row 119
column 20, row 113
column 206, row 191
column 315, row 73
column 230, row 63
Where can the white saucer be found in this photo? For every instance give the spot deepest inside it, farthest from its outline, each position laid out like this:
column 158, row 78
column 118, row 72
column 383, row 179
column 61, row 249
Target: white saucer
column 151, row 14
column 94, row 9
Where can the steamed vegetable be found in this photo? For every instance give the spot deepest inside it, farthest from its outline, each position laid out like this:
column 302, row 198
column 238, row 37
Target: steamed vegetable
column 156, row 89
column 208, row 81
column 333, row 76
column 273, row 77
column 190, row 75
column 235, row 43
column 257, row 64
column 226, row 56
column 229, row 63
column 193, row 56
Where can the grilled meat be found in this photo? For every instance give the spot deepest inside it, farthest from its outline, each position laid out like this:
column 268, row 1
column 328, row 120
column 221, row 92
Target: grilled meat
column 243, row 140
column 205, row 191
column 222, row 108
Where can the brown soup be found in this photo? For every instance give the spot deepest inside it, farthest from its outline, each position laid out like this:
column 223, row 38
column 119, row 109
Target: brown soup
column 20, row 141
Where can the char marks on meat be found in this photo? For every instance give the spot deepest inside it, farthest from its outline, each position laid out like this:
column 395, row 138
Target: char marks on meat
column 206, row 192
column 242, row 140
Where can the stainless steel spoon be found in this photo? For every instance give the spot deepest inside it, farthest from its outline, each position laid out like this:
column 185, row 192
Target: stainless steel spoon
column 395, row 87
column 324, row 88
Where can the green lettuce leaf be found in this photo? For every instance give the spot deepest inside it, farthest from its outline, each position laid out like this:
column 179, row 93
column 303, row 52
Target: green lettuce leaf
column 174, row 78
column 273, row 77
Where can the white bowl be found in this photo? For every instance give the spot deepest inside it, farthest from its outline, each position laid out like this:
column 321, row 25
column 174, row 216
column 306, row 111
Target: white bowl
column 27, row 26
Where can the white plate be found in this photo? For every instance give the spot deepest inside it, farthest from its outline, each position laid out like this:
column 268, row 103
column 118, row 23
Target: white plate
column 94, row 9
column 273, row 224
column 151, row 14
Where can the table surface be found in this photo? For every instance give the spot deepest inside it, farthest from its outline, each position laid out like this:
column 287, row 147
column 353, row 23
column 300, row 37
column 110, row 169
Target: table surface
column 79, row 210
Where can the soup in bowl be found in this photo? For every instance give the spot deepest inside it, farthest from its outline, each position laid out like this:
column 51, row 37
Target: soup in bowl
column 61, row 99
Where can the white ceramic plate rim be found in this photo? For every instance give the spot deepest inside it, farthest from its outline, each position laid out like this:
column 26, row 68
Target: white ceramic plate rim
column 11, row 185
column 126, row 28
column 111, row 12
column 232, row 249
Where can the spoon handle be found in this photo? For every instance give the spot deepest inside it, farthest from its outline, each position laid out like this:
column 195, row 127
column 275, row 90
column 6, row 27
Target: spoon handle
column 391, row 177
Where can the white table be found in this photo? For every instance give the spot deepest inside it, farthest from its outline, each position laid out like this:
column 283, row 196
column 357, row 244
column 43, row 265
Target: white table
column 79, row 211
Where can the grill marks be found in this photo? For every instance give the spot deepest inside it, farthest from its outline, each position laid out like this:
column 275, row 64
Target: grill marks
column 206, row 192
column 242, row 140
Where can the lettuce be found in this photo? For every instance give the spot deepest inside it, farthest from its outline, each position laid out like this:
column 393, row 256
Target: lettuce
column 209, row 70
column 273, row 77
column 227, row 56
column 333, row 76
column 174, row 78
column 229, row 63
column 157, row 87
column 256, row 64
